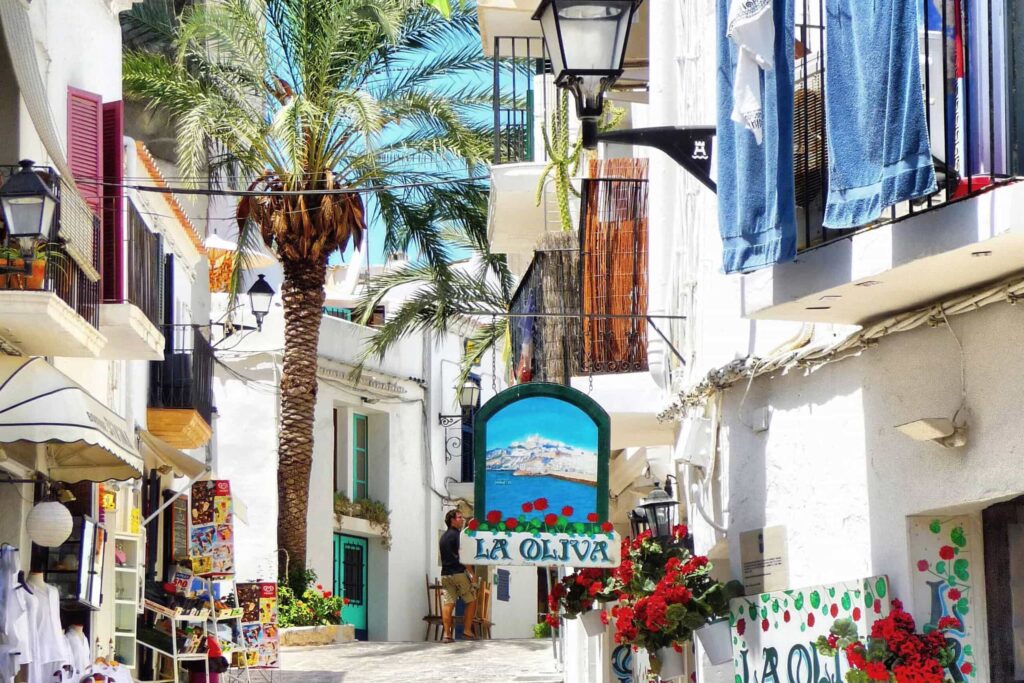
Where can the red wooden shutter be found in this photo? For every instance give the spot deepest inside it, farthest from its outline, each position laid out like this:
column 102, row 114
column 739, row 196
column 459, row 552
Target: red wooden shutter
column 113, row 202
column 85, row 145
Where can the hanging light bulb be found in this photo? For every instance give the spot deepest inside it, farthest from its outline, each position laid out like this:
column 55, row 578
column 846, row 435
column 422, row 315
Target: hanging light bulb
column 49, row 524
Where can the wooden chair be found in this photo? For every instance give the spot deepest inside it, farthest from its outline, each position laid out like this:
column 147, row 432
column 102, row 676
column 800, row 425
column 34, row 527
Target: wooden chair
column 482, row 622
column 433, row 616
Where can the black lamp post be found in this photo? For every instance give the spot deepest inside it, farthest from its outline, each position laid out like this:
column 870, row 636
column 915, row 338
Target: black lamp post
column 658, row 512
column 260, row 296
column 458, row 429
column 28, row 206
column 586, row 40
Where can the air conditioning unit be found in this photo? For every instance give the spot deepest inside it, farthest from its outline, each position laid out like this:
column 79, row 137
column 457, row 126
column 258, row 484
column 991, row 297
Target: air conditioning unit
column 695, row 441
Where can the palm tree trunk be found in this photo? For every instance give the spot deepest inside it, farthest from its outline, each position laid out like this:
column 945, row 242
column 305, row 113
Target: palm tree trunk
column 303, row 295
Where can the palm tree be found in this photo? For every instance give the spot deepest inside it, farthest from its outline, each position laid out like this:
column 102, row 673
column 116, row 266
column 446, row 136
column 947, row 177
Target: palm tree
column 318, row 104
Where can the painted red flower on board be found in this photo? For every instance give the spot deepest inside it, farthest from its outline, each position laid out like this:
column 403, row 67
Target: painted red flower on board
column 947, row 552
column 741, row 626
column 541, row 504
column 607, row 527
column 954, row 594
column 527, row 507
column 551, row 519
column 922, row 565
column 592, row 517
column 567, row 511
column 511, row 523
column 494, row 516
column 473, row 524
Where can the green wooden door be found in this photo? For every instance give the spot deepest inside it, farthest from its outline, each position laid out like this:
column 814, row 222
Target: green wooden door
column 350, row 579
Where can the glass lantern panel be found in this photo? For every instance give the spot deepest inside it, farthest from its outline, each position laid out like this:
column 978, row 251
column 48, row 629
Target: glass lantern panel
column 593, row 33
column 24, row 215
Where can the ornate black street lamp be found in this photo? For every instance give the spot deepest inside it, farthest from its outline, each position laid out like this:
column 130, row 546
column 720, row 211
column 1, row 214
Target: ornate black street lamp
column 587, row 43
column 28, row 206
column 260, row 296
column 458, row 429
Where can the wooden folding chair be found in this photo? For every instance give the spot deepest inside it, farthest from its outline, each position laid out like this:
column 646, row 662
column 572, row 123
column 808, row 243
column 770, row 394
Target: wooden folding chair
column 433, row 616
column 482, row 622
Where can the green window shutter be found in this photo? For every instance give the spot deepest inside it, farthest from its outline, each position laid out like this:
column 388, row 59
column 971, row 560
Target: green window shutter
column 360, row 466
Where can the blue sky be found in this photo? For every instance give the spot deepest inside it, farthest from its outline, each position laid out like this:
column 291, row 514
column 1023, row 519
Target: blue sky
column 549, row 417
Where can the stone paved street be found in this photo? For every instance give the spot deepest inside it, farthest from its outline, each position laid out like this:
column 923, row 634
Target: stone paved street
column 489, row 661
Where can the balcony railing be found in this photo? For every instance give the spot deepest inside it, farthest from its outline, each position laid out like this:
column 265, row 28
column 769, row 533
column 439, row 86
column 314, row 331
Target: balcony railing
column 613, row 246
column 521, row 92
column 969, row 104
column 144, row 277
column 581, row 307
column 184, row 378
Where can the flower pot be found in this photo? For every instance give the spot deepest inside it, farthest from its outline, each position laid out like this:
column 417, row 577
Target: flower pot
column 716, row 641
column 592, row 622
column 668, row 663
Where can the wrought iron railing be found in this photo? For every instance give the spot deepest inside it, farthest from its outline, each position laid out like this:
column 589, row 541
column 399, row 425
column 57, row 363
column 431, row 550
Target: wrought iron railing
column 516, row 98
column 184, row 378
column 144, row 277
column 969, row 104
column 613, row 266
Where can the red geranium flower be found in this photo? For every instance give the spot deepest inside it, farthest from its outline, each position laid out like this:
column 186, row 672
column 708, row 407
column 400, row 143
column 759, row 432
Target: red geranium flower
column 327, row 594
column 345, row 601
column 541, row 504
column 592, row 517
column 954, row 594
column 607, row 527
column 511, row 523
column 949, row 622
column 551, row 519
column 473, row 524
column 946, row 552
column 877, row 672
column 319, row 587
column 527, row 506
column 494, row 516
column 567, row 511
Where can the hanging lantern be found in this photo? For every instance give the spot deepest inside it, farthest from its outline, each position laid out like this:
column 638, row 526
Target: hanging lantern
column 49, row 524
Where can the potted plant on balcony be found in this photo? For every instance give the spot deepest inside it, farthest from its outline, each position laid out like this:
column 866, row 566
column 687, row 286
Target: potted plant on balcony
column 666, row 594
column 15, row 273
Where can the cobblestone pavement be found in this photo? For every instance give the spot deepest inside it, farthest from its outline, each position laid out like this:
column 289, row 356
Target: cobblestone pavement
column 488, row 661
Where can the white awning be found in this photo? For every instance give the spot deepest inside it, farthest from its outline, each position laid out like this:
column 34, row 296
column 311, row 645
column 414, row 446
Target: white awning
column 85, row 440
column 158, row 453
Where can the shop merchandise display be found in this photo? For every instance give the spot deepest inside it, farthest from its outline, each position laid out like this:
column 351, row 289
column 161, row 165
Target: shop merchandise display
column 30, row 632
column 78, row 647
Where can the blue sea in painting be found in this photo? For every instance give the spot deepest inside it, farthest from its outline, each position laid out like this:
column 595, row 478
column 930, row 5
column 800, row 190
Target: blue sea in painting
column 507, row 493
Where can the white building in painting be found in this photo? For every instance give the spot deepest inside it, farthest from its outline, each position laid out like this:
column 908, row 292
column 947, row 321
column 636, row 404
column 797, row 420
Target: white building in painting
column 861, row 397
column 378, row 437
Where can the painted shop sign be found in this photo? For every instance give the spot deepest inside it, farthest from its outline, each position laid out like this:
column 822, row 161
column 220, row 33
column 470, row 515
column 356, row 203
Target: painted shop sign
column 773, row 634
column 541, row 466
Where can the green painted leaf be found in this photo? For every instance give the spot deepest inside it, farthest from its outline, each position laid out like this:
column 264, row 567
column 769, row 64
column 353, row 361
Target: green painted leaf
column 803, row 627
column 968, row 650
column 831, row 592
column 752, row 611
column 798, row 601
column 775, row 606
column 960, row 569
column 880, row 588
column 869, row 598
column 765, row 597
column 958, row 537
column 739, row 679
column 764, row 613
column 815, row 599
column 963, row 606
column 940, row 567
column 846, row 602
column 935, row 526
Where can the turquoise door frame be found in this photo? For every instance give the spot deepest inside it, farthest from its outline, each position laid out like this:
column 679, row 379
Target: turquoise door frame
column 351, row 555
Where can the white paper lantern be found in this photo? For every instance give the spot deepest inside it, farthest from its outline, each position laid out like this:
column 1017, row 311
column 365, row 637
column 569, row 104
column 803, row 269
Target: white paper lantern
column 49, row 524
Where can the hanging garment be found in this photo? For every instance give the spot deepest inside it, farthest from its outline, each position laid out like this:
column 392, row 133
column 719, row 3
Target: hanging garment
column 78, row 646
column 51, row 648
column 9, row 561
column 878, row 152
column 751, row 27
column 756, row 195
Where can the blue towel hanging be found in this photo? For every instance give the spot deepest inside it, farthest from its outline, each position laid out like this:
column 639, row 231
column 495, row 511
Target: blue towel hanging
column 877, row 133
column 756, row 205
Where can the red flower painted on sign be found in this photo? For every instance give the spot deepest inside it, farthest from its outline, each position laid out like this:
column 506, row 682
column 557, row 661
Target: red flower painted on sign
column 966, row 667
column 834, row 611
column 541, row 504
column 551, row 519
column 785, row 616
column 947, row 552
column 494, row 516
column 473, row 524
column 741, row 626
column 954, row 594
column 592, row 517
column 810, row 619
column 764, row 624
column 607, row 527
column 922, row 565
column 511, row 523
column 567, row 511
column 527, row 507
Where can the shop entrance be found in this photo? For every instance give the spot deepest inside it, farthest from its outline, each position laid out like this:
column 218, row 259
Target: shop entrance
column 350, row 579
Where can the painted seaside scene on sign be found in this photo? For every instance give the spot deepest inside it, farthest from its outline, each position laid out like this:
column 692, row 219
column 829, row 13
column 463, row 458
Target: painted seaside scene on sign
column 542, row 450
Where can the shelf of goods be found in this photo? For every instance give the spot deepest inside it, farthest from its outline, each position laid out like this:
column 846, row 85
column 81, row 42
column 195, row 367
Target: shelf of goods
column 176, row 648
column 128, row 569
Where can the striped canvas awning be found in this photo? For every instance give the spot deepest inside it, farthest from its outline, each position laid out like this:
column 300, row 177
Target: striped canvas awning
column 86, row 441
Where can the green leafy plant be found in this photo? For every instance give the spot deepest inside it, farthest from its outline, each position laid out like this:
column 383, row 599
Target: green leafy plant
column 373, row 511
column 314, row 607
column 542, row 630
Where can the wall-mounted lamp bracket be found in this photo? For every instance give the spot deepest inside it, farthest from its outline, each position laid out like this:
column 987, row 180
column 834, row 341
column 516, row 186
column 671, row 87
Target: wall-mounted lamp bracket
column 688, row 146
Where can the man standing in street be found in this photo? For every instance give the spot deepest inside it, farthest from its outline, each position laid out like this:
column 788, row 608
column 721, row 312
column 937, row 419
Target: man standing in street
column 457, row 581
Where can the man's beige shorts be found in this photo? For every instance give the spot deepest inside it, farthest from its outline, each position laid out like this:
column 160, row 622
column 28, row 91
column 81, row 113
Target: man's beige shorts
column 457, row 586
